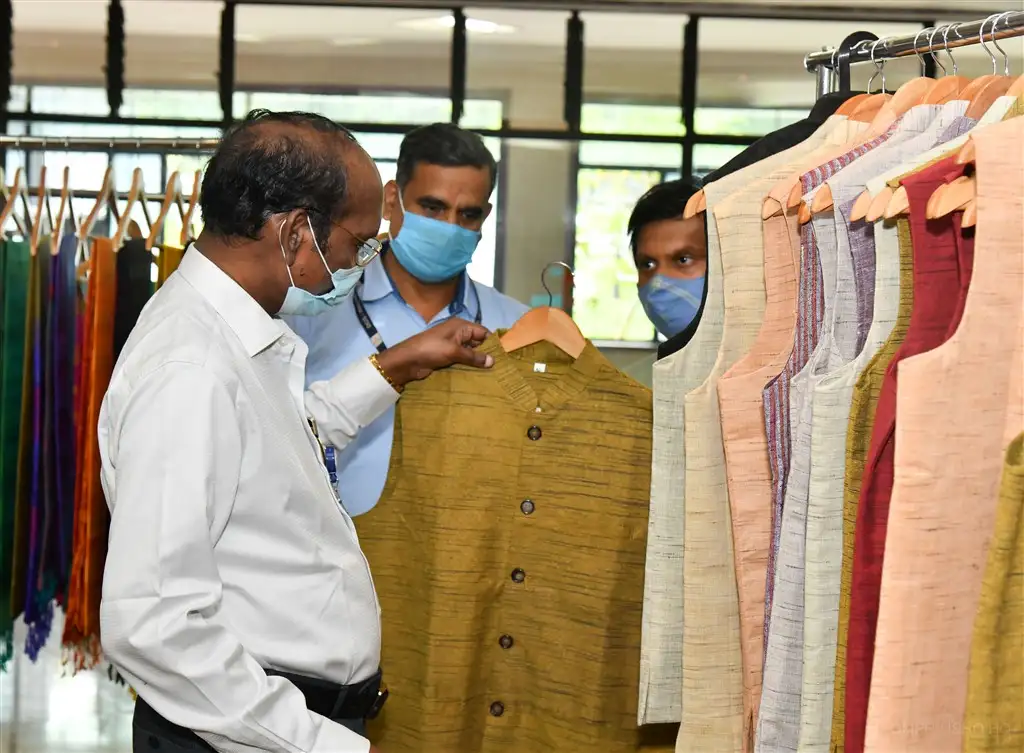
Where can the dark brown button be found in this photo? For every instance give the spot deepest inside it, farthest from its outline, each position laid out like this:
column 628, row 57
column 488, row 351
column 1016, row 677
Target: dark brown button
column 506, row 642
column 497, row 708
column 518, row 575
column 527, row 506
column 533, row 433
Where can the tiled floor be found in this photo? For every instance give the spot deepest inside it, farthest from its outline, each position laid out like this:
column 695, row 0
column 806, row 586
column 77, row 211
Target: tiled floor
column 45, row 710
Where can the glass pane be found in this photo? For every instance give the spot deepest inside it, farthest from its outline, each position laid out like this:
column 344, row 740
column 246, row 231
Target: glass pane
column 482, row 113
column 744, row 121
column 72, row 100
column 171, row 103
column 708, row 157
column 191, row 28
column 187, row 165
column 76, row 55
column 343, row 50
column 85, row 169
column 630, row 154
column 632, row 58
column 605, row 303
column 652, row 120
column 18, row 100
column 517, row 56
column 352, row 108
column 151, row 166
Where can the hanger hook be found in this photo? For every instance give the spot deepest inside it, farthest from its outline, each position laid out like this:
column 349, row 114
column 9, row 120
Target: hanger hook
column 931, row 44
column 920, row 57
column 945, row 46
column 544, row 280
column 879, row 66
column 981, row 40
column 995, row 43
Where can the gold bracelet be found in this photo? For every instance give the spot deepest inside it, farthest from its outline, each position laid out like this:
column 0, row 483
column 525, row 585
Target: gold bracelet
column 389, row 380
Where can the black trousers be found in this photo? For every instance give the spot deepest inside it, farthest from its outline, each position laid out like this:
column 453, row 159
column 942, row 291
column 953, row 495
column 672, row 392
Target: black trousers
column 151, row 733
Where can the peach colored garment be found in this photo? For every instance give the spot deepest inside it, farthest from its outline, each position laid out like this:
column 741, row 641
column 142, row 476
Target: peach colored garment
column 951, row 437
column 746, row 448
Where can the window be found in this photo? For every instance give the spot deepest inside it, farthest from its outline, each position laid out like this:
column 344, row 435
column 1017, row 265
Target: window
column 612, row 176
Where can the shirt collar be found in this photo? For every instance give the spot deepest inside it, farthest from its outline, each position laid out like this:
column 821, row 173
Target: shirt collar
column 377, row 284
column 256, row 329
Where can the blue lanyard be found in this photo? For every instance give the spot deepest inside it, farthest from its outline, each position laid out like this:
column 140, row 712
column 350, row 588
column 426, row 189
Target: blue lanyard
column 371, row 329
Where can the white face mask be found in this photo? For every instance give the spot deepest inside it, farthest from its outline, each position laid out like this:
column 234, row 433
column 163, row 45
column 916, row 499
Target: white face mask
column 300, row 302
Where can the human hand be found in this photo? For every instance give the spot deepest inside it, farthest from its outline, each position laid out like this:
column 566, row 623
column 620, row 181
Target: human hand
column 450, row 342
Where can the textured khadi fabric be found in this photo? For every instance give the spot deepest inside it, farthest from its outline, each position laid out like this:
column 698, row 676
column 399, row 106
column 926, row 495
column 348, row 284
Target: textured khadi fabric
column 852, row 318
column 92, row 517
column 776, row 396
column 778, row 724
column 746, row 444
column 712, row 709
column 950, row 444
column 16, row 273
column 661, row 655
column 936, row 287
column 858, row 439
column 832, row 403
column 526, row 592
column 994, row 722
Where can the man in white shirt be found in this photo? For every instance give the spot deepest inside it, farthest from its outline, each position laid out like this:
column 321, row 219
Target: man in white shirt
column 436, row 207
column 236, row 599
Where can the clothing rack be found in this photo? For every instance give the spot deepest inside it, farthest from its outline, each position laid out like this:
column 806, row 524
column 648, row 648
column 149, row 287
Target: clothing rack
column 863, row 47
column 43, row 143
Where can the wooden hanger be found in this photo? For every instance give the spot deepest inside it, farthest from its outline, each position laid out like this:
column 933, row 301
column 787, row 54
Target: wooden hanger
column 105, row 198
column 851, row 104
column 546, row 323
column 57, row 227
column 135, row 194
column 804, row 213
column 966, row 153
column 695, row 205
column 970, row 218
column 172, row 198
column 898, row 205
column 193, row 202
column 18, row 192
column 955, row 196
column 42, row 204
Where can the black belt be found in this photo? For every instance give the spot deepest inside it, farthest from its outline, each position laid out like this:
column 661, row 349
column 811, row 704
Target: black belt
column 362, row 700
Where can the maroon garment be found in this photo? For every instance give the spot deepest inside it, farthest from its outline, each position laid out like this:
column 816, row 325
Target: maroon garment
column 938, row 290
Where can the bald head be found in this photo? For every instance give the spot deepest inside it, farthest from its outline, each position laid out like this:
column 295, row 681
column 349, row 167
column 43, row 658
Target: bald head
column 271, row 163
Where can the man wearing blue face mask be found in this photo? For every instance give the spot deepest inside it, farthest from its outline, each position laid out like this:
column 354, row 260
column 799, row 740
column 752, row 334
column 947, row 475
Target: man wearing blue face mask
column 670, row 254
column 436, row 207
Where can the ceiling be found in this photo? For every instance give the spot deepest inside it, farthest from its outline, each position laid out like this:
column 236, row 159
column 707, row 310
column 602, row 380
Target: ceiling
column 337, row 27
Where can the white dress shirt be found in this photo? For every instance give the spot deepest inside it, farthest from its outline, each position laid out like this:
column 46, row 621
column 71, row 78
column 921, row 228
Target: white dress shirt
column 228, row 552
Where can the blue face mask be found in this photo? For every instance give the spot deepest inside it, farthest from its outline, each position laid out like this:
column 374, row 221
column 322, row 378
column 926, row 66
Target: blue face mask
column 431, row 250
column 299, row 302
column 671, row 303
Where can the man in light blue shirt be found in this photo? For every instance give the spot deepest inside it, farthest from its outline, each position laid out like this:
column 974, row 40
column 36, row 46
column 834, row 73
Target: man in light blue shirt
column 436, row 206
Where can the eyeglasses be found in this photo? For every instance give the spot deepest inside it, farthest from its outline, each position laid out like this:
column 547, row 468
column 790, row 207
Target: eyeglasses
column 368, row 249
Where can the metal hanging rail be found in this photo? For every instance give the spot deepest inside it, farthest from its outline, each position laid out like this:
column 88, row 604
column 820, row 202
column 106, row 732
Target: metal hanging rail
column 127, row 144
column 995, row 27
